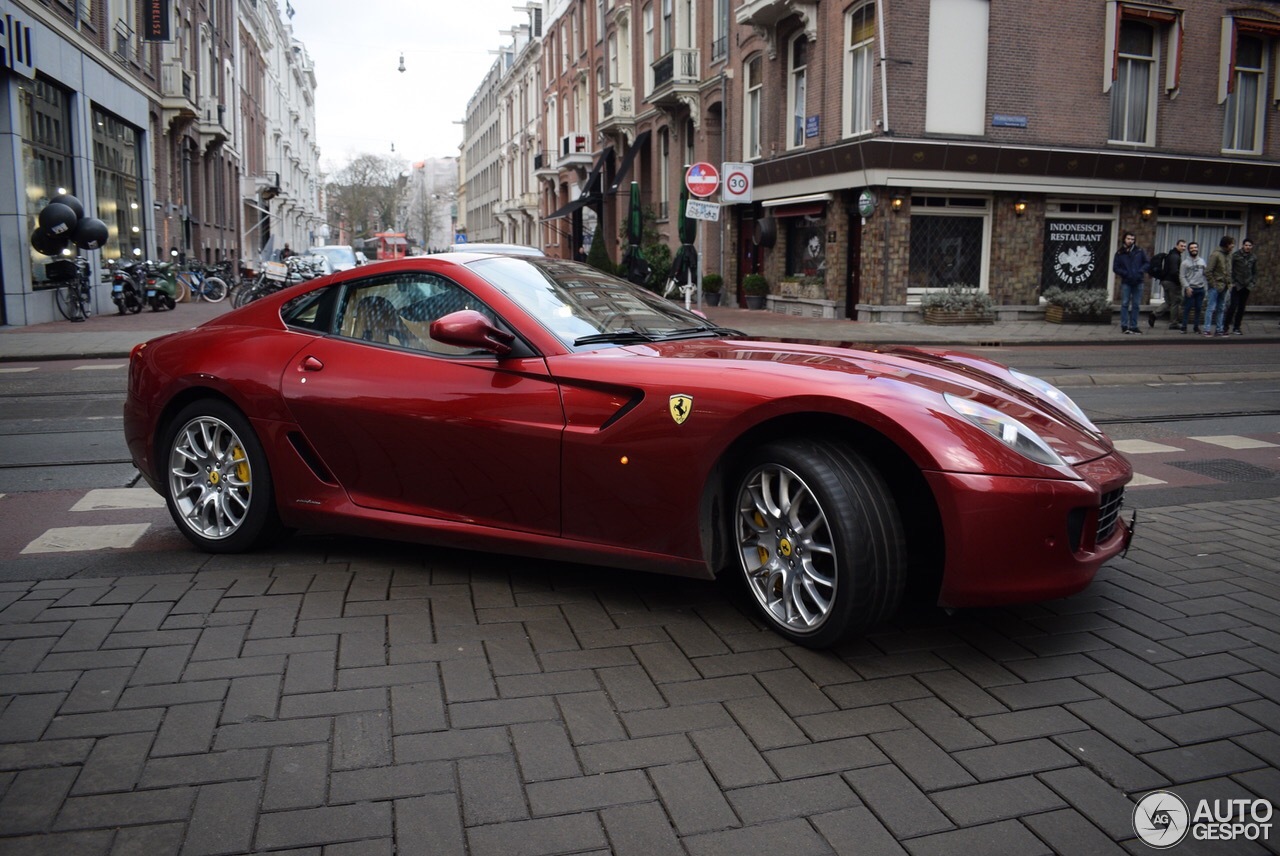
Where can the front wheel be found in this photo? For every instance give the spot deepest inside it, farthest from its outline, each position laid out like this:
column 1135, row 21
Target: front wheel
column 819, row 540
column 213, row 289
column 217, row 484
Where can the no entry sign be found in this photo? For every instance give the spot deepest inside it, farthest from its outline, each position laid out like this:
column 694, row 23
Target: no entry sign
column 702, row 179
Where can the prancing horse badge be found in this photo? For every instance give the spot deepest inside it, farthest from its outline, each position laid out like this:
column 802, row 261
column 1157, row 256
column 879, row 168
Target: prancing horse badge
column 681, row 406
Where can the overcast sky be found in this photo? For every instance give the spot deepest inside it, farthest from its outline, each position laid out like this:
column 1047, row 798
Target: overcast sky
column 364, row 104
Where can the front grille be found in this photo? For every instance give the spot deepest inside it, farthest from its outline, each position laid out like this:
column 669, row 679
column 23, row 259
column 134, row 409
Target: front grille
column 1109, row 513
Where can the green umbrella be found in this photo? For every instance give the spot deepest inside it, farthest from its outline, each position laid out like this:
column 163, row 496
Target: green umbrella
column 634, row 266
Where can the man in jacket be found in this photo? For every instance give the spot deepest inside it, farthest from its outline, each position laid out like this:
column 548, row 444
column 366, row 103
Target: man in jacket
column 1218, row 272
column 1244, row 275
column 1172, row 285
column 1131, row 265
column 1193, row 286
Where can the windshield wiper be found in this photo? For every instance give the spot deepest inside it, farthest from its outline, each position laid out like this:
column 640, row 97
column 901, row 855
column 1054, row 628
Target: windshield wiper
column 695, row 332
column 614, row 337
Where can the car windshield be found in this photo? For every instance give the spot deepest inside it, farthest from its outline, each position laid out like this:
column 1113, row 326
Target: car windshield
column 337, row 256
column 585, row 308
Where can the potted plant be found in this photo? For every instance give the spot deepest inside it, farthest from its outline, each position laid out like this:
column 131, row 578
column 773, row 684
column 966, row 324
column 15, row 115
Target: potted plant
column 756, row 288
column 712, row 283
column 1080, row 305
column 957, row 304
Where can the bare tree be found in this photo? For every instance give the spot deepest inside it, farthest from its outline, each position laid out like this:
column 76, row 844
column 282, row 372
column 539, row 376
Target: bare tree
column 365, row 195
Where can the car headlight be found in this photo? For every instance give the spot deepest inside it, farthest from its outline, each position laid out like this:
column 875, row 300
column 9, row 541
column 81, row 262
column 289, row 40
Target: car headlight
column 1059, row 398
column 1006, row 429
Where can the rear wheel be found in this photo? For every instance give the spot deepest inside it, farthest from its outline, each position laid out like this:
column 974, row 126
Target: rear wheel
column 72, row 301
column 217, row 482
column 819, row 540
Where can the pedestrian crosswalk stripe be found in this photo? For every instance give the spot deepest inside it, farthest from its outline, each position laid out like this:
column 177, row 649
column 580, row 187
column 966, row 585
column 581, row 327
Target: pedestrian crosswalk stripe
column 15, row 369
column 105, row 499
column 97, row 368
column 1142, row 447
column 1233, row 441
column 71, row 539
column 1139, row 480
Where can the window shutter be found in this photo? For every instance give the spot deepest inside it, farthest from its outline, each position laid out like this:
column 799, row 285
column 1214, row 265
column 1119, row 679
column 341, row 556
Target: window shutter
column 1110, row 55
column 1226, row 58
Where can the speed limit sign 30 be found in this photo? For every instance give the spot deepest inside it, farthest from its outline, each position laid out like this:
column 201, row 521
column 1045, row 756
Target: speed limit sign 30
column 738, row 182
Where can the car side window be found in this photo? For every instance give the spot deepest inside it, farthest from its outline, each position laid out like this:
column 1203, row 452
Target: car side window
column 398, row 311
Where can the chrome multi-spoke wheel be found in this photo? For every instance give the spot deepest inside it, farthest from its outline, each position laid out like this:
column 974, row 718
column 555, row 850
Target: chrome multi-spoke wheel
column 786, row 547
column 210, row 477
column 218, row 484
column 819, row 540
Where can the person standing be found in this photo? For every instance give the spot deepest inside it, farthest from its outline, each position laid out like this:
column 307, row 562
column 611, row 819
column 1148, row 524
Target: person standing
column 1218, row 272
column 1171, row 282
column 1130, row 264
column 1193, row 286
column 1244, row 275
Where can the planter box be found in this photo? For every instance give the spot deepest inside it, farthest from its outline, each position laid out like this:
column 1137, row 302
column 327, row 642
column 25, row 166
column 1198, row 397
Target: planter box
column 934, row 315
column 805, row 307
column 1057, row 315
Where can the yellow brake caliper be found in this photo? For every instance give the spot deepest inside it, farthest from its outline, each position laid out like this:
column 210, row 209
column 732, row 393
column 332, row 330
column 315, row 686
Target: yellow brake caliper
column 242, row 464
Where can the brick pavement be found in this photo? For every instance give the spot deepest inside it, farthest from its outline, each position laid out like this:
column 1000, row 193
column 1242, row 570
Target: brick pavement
column 351, row 697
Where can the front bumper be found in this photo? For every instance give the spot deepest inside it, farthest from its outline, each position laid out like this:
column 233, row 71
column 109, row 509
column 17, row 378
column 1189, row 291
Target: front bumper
column 1012, row 540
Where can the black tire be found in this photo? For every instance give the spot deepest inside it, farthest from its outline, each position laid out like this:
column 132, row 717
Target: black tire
column 213, row 289
column 71, row 302
column 819, row 540
column 216, row 479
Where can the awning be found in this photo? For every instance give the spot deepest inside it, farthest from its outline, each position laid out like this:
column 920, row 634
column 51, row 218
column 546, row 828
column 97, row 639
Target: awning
column 810, row 205
column 574, row 205
column 591, row 189
column 641, row 139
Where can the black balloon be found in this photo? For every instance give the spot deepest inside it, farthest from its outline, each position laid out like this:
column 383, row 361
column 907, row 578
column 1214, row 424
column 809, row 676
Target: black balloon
column 49, row 244
column 58, row 219
column 71, row 202
column 90, row 233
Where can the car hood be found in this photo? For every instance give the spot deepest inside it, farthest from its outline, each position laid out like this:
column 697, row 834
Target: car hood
column 934, row 371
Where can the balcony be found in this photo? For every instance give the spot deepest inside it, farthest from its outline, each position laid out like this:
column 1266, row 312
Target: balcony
column 765, row 15
column 675, row 79
column 575, row 150
column 212, row 124
column 618, row 110
column 544, row 168
column 177, row 95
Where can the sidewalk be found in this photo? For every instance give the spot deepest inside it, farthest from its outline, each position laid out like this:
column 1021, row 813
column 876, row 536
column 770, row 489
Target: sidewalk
column 113, row 336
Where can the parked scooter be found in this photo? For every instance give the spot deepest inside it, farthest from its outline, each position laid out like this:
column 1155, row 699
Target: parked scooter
column 160, row 281
column 126, row 285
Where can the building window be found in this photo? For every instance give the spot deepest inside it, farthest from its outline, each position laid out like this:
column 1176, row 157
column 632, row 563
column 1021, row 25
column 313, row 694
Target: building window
column 648, row 49
column 690, row 158
column 720, row 30
column 1242, row 131
column 859, row 56
column 45, row 123
column 668, row 30
column 752, row 91
column 797, row 67
column 1133, row 93
column 948, row 243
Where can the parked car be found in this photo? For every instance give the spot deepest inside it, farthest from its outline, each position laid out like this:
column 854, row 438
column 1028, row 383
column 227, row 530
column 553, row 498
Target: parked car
column 539, row 406
column 336, row 257
column 495, row 247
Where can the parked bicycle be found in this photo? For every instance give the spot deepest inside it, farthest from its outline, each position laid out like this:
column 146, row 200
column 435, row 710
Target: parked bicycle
column 73, row 296
column 275, row 276
column 202, row 283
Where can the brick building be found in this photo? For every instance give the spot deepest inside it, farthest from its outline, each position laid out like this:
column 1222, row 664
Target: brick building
column 186, row 126
column 901, row 146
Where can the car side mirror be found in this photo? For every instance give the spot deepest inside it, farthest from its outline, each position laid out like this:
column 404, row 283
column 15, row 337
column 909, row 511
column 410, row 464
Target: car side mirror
column 467, row 328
